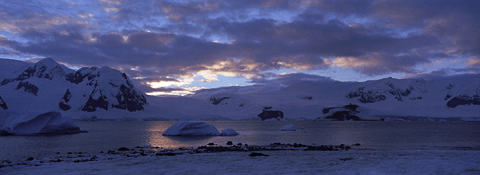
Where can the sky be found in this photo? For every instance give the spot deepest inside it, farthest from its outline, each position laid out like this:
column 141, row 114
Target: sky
column 175, row 47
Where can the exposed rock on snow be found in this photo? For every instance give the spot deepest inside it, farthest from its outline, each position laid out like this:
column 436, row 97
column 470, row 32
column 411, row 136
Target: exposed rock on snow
column 267, row 113
column 27, row 87
column 50, row 122
column 344, row 113
column 289, row 128
column 3, row 104
column 464, row 100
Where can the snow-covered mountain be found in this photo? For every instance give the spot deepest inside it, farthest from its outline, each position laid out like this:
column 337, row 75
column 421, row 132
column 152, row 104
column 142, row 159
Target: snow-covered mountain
column 49, row 85
column 105, row 93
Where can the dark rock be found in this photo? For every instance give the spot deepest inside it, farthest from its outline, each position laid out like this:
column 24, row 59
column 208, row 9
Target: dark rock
column 123, row 149
column 211, row 144
column 345, row 114
column 267, row 113
column 30, row 88
column 129, row 99
column 30, row 159
column 229, row 143
column 217, row 101
column 3, row 104
column 165, row 154
column 93, row 158
column 93, row 104
column 366, row 97
column 81, row 74
column 356, row 144
column 307, row 98
column 345, row 159
column 239, row 144
column 257, row 154
column 64, row 106
column 464, row 100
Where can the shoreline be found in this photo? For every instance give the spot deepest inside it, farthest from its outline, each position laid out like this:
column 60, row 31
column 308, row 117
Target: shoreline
column 273, row 161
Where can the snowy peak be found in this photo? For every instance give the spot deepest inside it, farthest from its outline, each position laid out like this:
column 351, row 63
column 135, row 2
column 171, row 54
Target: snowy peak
column 103, row 88
column 49, row 69
column 48, row 84
column 46, row 68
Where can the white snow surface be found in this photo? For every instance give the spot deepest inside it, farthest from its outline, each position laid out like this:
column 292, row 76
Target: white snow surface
column 289, row 127
column 45, row 122
column 278, row 162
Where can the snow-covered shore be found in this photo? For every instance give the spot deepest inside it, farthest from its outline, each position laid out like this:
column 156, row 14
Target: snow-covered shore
column 278, row 162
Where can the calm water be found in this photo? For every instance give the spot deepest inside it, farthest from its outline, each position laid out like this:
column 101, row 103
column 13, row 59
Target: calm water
column 104, row 136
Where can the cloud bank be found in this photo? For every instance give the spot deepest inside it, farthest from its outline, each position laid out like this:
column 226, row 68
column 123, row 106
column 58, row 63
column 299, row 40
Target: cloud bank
column 166, row 45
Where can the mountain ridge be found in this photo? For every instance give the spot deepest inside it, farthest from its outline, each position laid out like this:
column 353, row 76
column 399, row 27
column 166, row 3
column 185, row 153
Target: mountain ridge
column 93, row 93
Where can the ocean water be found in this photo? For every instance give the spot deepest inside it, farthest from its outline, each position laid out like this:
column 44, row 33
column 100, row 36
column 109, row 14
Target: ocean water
column 104, row 136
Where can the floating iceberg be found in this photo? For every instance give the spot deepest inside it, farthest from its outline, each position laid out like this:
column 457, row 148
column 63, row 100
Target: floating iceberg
column 196, row 128
column 288, row 128
column 50, row 122
column 229, row 132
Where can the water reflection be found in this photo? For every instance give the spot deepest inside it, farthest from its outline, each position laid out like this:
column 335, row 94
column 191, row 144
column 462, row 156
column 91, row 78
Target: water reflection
column 188, row 139
column 105, row 136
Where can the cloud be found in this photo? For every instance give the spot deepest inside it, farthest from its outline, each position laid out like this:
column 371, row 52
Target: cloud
column 165, row 41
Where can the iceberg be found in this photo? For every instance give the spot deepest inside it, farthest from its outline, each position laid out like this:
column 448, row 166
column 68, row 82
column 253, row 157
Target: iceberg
column 288, row 128
column 187, row 127
column 191, row 128
column 50, row 122
column 229, row 132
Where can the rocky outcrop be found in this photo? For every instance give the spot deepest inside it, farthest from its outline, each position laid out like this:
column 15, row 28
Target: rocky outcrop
column 129, row 99
column 267, row 113
column 366, row 96
column 27, row 87
column 464, row 100
column 64, row 101
column 216, row 101
column 343, row 113
column 81, row 74
column 3, row 104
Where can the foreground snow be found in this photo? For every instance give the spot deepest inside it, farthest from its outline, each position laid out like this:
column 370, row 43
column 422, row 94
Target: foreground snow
column 278, row 162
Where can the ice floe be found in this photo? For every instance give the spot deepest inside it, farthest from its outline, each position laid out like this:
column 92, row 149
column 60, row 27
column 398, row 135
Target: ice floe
column 289, row 128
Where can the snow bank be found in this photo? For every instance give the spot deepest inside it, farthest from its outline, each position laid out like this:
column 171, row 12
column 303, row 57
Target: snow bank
column 50, row 122
column 187, row 127
column 289, row 128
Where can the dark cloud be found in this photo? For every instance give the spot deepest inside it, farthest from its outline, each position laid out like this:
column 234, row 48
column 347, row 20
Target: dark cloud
column 157, row 40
